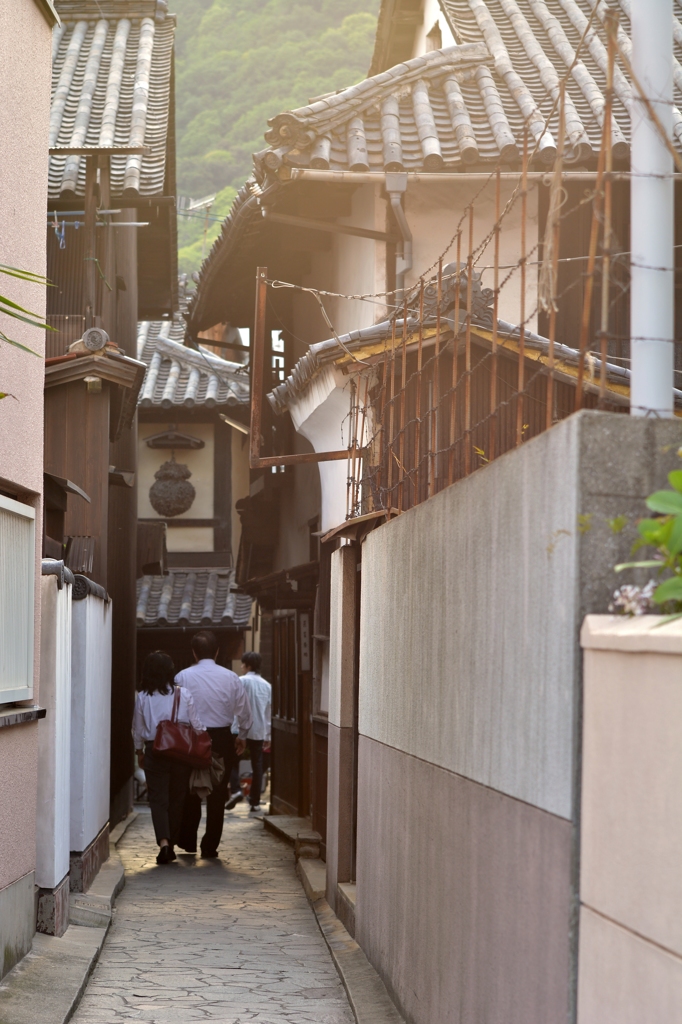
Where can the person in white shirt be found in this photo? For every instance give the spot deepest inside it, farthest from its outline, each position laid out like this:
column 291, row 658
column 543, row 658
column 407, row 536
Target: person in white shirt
column 219, row 697
column 259, row 693
column 167, row 780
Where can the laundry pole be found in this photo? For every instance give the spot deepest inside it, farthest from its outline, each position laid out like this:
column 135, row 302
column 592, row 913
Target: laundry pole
column 652, row 212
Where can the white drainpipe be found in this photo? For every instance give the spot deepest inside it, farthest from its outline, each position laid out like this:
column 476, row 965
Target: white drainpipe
column 652, row 208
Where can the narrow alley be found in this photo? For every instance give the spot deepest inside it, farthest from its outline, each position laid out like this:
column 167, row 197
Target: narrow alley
column 229, row 940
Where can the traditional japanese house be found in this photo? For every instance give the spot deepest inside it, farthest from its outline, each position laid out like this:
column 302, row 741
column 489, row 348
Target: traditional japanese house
column 471, row 160
column 192, row 470
column 111, row 258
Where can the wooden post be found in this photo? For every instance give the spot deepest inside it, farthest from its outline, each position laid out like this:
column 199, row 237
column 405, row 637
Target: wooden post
column 606, row 240
column 467, row 349
column 556, row 238
column 90, row 268
column 492, row 445
column 257, row 357
column 522, row 316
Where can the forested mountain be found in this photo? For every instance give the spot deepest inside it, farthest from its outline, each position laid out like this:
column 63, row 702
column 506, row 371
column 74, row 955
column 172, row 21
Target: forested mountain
column 239, row 62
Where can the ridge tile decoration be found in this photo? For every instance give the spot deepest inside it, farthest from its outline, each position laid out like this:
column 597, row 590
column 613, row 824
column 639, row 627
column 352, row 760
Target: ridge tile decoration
column 111, row 81
column 467, row 104
column 192, row 597
column 181, row 376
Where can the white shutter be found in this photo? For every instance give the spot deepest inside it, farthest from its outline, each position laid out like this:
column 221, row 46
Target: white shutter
column 17, row 571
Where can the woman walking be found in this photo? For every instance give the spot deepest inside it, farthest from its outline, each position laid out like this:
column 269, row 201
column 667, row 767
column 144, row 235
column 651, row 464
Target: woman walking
column 167, row 779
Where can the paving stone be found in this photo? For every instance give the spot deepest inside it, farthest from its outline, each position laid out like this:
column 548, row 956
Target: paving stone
column 232, row 941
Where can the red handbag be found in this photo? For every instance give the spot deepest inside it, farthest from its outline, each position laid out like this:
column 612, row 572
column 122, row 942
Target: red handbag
column 180, row 740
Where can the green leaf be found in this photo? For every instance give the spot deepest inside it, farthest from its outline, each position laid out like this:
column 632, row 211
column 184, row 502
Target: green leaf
column 24, row 348
column 618, row 523
column 667, row 502
column 674, row 544
column 654, row 563
column 670, row 590
column 675, row 479
column 585, row 522
column 25, row 275
column 7, row 394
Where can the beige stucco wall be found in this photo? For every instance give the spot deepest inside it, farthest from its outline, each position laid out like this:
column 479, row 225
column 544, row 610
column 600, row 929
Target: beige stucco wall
column 200, row 464
column 25, row 74
column 630, row 964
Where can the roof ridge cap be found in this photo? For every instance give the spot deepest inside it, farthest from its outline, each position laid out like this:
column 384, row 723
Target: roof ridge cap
column 295, row 125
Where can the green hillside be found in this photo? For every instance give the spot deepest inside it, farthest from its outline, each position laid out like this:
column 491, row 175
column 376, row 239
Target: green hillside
column 239, row 62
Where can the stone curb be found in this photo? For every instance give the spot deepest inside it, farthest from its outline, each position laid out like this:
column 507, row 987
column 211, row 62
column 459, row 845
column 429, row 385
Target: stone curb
column 367, row 994
column 48, row 984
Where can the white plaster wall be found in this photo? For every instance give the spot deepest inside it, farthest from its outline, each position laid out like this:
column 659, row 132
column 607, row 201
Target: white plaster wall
column 434, row 211
column 54, row 736
column 90, row 719
column 351, row 266
column 321, row 415
column 468, row 656
column 431, row 14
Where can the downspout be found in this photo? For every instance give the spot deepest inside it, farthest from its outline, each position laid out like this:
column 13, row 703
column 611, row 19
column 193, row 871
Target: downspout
column 396, row 186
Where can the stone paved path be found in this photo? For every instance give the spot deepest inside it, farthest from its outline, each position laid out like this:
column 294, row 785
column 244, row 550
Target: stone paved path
column 229, row 941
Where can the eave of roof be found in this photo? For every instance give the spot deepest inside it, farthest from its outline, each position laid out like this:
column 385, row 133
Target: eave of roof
column 370, row 346
column 48, row 11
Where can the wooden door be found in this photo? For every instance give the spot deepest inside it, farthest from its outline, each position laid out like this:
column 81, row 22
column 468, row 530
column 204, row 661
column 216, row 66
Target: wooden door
column 291, row 718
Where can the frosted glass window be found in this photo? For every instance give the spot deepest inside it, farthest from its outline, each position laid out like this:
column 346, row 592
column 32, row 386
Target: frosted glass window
column 17, row 569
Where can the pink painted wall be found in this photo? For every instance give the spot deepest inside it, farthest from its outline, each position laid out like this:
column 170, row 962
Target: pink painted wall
column 25, row 77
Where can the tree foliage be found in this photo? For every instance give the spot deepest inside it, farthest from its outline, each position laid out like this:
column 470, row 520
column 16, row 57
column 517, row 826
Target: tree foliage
column 240, row 62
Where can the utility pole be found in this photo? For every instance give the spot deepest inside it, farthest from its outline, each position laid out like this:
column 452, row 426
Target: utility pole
column 652, row 212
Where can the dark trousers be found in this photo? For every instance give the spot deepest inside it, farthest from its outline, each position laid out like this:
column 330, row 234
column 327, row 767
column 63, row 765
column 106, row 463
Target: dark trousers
column 256, row 748
column 222, row 742
column 167, row 783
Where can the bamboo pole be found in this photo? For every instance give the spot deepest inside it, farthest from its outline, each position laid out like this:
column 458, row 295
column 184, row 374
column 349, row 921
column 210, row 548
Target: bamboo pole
column 522, row 314
column 556, row 239
column 401, row 443
column 389, row 482
column 418, row 398
column 607, row 240
column 436, row 379
column 467, row 348
column 492, row 423
column 589, row 278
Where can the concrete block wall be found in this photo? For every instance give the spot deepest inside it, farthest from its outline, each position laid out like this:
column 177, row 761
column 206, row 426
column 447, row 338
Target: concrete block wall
column 630, row 964
column 469, row 720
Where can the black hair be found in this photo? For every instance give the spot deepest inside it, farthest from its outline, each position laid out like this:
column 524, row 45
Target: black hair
column 205, row 644
column 252, row 660
column 158, row 673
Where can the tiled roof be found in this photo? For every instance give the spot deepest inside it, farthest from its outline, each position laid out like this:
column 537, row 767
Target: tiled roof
column 467, row 104
column 111, row 77
column 180, row 376
column 199, row 597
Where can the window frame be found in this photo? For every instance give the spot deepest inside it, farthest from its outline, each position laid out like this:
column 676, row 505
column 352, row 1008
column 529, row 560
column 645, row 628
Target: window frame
column 26, row 511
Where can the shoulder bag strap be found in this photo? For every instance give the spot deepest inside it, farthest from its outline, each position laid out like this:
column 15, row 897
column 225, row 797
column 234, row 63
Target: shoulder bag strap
column 176, row 704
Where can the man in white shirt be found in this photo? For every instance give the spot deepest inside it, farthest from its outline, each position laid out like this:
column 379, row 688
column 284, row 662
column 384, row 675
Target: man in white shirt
column 259, row 693
column 220, row 698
